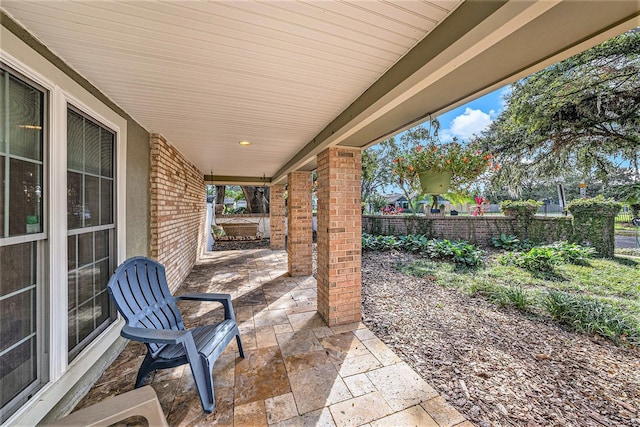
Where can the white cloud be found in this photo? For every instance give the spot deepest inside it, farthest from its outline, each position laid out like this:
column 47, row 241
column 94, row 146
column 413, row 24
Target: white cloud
column 468, row 123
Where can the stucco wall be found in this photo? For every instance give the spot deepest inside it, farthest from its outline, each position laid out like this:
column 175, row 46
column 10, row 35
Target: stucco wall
column 138, row 189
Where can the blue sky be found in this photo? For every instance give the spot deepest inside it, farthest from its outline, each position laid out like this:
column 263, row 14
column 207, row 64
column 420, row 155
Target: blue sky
column 472, row 117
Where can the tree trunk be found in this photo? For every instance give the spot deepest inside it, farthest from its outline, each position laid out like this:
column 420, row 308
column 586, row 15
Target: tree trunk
column 257, row 199
column 220, row 189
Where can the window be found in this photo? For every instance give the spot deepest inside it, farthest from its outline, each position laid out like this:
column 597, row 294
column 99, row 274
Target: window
column 91, row 228
column 22, row 238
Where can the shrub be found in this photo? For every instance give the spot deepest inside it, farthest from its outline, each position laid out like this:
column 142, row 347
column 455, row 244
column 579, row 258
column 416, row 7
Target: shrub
column 592, row 316
column 511, row 243
column 544, row 258
column 520, row 208
column 598, row 205
column 379, row 243
column 459, row 252
column 573, row 253
column 539, row 258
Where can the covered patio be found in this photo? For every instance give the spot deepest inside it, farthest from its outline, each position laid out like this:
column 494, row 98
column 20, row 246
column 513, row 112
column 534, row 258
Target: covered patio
column 297, row 371
column 115, row 117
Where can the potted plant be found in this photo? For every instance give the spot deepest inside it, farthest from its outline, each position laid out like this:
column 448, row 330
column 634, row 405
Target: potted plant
column 441, row 167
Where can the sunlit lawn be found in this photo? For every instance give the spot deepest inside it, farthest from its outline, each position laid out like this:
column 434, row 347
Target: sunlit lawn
column 613, row 282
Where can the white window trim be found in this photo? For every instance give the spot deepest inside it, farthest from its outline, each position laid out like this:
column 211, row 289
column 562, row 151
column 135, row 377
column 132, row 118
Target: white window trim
column 62, row 375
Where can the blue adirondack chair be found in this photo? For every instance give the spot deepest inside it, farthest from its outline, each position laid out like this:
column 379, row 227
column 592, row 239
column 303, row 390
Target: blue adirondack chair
column 140, row 291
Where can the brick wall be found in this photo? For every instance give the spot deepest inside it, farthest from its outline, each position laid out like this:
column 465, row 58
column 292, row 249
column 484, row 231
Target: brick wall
column 178, row 211
column 277, row 215
column 477, row 230
column 339, row 236
column 300, row 234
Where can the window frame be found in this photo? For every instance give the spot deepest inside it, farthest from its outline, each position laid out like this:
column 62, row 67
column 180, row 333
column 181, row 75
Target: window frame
column 41, row 240
column 112, row 228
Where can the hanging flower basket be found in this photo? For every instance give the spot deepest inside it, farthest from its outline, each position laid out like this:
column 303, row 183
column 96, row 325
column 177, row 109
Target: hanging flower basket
column 435, row 182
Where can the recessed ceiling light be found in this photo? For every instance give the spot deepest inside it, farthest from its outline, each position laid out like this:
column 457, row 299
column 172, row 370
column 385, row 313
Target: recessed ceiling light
column 245, row 143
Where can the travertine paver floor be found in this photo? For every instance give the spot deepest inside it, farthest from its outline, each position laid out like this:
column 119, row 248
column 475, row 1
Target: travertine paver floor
column 297, row 371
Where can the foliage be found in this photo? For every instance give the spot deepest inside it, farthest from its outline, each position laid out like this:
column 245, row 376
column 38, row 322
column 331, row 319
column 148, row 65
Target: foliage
column 535, row 259
column 631, row 194
column 462, row 253
column 375, row 173
column 379, row 243
column 573, row 253
column 376, row 202
column 544, row 258
column 523, row 211
column 592, row 316
column 580, row 114
column 511, row 243
column 612, row 283
column 593, row 222
column 408, row 183
column 464, row 162
column 503, row 296
column 600, row 205
column 526, row 208
column 229, row 210
column 392, row 210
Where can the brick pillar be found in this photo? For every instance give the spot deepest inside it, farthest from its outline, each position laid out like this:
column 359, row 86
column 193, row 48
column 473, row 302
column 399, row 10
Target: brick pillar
column 339, row 235
column 276, row 217
column 300, row 217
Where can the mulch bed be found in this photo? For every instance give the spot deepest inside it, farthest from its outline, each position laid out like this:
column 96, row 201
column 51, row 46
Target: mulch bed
column 498, row 366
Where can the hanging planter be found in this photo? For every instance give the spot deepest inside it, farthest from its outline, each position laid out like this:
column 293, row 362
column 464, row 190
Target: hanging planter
column 435, row 182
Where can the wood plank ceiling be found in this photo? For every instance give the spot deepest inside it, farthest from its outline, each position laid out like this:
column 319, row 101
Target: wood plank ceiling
column 208, row 74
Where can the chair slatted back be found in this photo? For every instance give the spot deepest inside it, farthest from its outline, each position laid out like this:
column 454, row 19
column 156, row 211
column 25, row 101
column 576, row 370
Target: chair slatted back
column 141, row 293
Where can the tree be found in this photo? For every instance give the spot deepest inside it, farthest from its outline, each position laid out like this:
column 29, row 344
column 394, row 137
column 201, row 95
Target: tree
column 257, row 199
column 375, row 171
column 220, row 193
column 407, row 181
column 579, row 114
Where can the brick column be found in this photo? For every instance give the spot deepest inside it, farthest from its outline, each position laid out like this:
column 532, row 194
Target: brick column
column 276, row 217
column 300, row 217
column 339, row 235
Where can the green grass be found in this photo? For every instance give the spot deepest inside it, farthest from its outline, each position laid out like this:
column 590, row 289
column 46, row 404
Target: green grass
column 601, row 297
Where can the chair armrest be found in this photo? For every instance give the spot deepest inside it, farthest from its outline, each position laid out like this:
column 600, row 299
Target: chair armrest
column 205, row 297
column 224, row 299
column 160, row 336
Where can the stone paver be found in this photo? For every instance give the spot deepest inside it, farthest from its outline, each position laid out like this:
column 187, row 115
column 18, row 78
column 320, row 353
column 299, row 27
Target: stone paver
column 414, row 416
column 297, row 371
column 401, row 386
column 444, row 414
column 360, row 410
column 280, row 408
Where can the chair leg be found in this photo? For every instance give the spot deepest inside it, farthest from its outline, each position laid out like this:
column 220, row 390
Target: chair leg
column 144, row 370
column 239, row 345
column 202, row 376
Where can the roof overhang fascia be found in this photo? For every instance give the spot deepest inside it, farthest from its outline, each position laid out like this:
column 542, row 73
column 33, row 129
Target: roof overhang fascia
column 457, row 61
